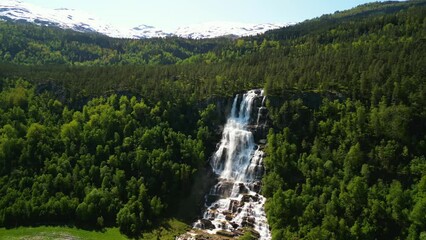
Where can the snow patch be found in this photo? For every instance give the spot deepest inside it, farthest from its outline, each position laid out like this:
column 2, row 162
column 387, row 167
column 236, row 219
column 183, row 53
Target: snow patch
column 218, row 29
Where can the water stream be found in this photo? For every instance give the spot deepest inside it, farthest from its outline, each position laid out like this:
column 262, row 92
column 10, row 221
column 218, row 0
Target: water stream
column 234, row 203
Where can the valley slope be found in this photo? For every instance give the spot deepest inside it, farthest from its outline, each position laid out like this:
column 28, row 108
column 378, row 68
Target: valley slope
column 100, row 132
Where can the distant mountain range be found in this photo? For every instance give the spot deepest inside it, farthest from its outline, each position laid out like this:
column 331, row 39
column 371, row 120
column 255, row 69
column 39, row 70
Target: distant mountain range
column 218, row 29
column 17, row 10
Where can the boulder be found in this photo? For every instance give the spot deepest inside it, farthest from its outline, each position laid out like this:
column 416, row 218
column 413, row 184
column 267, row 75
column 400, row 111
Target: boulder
column 225, row 233
column 242, row 188
column 255, row 187
column 250, row 198
column 228, row 215
column 246, row 223
column 206, row 224
column 223, row 188
column 245, row 198
column 234, row 225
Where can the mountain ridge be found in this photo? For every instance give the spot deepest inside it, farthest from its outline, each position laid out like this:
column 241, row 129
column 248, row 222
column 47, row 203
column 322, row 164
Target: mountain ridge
column 65, row 18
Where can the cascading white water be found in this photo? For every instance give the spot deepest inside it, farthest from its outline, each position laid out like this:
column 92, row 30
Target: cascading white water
column 234, row 203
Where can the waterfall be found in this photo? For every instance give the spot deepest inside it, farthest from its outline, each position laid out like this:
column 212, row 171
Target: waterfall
column 234, row 203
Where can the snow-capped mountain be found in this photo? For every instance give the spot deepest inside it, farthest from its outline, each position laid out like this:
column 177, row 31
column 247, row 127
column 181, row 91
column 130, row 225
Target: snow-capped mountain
column 18, row 10
column 146, row 31
column 218, row 29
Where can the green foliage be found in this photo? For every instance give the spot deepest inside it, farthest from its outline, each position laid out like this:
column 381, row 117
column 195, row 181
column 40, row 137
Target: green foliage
column 30, row 44
column 345, row 155
column 247, row 236
column 365, row 56
column 342, row 177
column 59, row 233
column 117, row 162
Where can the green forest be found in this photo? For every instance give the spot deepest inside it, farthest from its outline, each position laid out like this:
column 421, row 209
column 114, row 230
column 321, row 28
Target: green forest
column 98, row 132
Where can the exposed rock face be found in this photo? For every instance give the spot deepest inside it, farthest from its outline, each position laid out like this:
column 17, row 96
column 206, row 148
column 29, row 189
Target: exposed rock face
column 234, row 204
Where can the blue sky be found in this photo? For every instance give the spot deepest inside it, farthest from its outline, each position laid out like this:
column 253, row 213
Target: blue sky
column 169, row 14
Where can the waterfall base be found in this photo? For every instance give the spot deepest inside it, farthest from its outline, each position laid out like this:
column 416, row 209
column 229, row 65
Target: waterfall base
column 242, row 211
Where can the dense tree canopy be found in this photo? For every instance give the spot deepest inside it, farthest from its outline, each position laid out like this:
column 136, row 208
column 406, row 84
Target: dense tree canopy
column 117, row 161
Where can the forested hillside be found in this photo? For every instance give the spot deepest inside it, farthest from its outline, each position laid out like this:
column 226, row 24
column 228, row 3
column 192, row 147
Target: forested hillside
column 108, row 132
column 118, row 161
column 24, row 43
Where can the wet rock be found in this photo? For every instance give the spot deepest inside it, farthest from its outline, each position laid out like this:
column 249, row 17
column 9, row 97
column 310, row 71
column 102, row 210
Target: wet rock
column 223, row 156
column 259, row 133
column 234, row 225
column 242, row 188
column 206, row 224
column 245, row 198
column 225, row 233
column 258, row 198
column 226, row 212
column 228, row 215
column 223, row 225
column 211, row 214
column 233, row 206
column 255, row 187
column 223, row 188
column 238, row 232
column 247, row 223
column 214, row 207
column 249, row 198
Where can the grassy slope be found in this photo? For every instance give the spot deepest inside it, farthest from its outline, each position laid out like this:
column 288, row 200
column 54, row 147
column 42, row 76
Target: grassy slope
column 166, row 231
column 58, row 233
